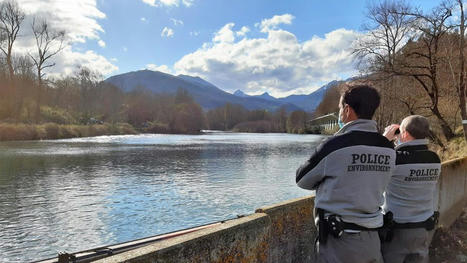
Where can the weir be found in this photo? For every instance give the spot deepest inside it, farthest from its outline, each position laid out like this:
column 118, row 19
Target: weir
column 279, row 233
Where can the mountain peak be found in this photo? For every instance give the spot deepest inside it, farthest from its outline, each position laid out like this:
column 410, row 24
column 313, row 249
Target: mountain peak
column 240, row 93
column 266, row 96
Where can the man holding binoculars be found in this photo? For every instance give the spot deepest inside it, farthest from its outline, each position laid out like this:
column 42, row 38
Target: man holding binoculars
column 411, row 192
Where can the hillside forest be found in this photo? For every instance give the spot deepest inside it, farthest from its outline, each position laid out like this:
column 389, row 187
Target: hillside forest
column 416, row 59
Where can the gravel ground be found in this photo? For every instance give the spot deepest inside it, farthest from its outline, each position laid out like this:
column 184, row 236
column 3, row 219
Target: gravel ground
column 450, row 245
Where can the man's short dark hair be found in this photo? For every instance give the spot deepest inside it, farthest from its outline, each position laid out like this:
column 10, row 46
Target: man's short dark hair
column 363, row 99
column 417, row 126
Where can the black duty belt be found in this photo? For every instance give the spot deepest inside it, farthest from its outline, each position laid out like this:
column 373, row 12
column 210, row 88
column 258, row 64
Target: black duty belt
column 387, row 231
column 333, row 225
column 428, row 224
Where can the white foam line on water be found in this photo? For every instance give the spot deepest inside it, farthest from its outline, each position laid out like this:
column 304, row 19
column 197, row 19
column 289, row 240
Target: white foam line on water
column 182, row 139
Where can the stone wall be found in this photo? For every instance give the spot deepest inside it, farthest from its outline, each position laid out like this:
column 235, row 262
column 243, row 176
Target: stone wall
column 278, row 233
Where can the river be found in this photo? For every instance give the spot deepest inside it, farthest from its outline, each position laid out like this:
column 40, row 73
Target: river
column 75, row 194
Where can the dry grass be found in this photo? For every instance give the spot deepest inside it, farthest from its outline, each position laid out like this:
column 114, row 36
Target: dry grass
column 15, row 132
column 455, row 148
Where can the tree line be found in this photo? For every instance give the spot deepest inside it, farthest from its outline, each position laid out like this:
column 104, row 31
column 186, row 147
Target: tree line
column 237, row 118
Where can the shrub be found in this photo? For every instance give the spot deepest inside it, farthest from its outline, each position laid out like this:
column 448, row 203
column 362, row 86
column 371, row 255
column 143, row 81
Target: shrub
column 52, row 130
column 157, row 127
column 254, row 126
column 11, row 132
column 126, row 128
column 56, row 115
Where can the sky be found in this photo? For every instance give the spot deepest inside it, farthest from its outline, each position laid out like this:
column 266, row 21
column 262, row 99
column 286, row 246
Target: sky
column 282, row 47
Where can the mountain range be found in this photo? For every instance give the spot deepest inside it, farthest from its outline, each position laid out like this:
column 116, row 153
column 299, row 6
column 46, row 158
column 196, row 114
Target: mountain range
column 209, row 96
column 305, row 102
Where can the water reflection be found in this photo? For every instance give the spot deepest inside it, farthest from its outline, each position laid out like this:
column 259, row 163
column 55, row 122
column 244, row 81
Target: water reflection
column 71, row 195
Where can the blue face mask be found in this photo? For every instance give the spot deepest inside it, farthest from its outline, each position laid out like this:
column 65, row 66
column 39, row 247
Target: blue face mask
column 340, row 123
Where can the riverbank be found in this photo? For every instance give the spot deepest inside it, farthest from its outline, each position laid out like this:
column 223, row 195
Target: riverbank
column 51, row 131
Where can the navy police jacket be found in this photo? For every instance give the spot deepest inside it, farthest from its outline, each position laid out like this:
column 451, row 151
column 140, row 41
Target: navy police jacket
column 350, row 171
column 411, row 193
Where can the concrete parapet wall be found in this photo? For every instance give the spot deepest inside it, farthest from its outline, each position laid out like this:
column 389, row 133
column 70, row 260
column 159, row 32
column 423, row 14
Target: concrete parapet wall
column 241, row 240
column 291, row 236
column 452, row 191
column 280, row 233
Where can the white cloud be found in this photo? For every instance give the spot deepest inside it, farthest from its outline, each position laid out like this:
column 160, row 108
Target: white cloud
column 167, row 32
column 114, row 59
column 125, row 49
column 225, row 34
column 187, row 3
column 176, row 3
column 277, row 63
column 272, row 23
column 243, row 31
column 177, row 22
column 79, row 19
column 143, row 19
column 162, row 68
column 194, row 33
column 101, row 43
column 69, row 61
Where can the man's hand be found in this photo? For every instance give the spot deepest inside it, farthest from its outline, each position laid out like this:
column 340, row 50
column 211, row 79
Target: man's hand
column 389, row 132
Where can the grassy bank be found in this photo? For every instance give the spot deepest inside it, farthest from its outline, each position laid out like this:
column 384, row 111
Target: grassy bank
column 455, row 148
column 47, row 131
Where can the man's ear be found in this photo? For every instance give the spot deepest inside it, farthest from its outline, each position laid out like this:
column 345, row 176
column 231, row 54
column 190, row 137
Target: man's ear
column 404, row 135
column 351, row 114
column 347, row 110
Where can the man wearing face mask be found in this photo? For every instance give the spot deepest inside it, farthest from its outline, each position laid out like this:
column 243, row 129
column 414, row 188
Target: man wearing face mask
column 350, row 172
column 410, row 195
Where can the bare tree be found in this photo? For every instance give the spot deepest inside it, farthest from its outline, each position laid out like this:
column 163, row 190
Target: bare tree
column 23, row 66
column 461, row 84
column 11, row 17
column 49, row 42
column 388, row 29
column 418, row 58
column 424, row 67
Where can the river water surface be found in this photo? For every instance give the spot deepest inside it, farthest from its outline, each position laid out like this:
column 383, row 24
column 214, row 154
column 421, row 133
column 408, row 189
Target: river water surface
column 75, row 194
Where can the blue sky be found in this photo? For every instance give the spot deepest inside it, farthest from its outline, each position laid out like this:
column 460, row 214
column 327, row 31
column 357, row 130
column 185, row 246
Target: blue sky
column 124, row 28
column 280, row 47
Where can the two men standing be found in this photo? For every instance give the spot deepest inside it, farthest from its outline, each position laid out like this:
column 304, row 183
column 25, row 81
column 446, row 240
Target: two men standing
column 350, row 172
